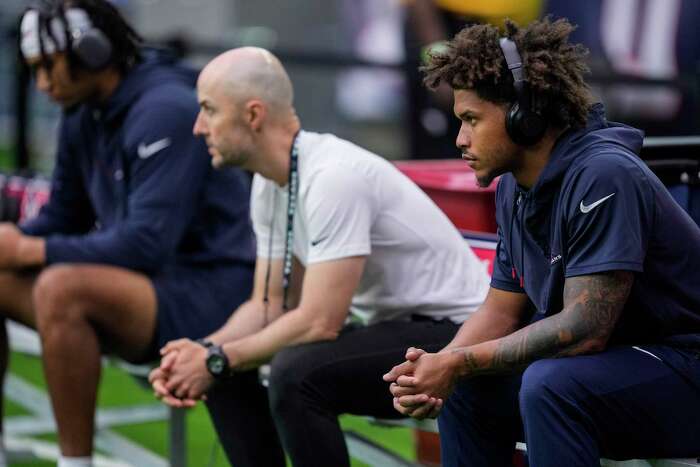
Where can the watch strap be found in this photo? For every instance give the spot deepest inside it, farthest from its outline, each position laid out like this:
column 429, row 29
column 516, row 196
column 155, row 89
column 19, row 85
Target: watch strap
column 204, row 342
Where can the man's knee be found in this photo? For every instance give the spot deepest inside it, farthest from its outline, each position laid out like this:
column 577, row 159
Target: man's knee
column 55, row 295
column 546, row 384
column 288, row 372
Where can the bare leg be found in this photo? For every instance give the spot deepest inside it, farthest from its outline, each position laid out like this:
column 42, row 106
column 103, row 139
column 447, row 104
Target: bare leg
column 16, row 304
column 78, row 307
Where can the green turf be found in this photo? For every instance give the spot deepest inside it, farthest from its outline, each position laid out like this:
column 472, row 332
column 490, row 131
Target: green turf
column 7, row 159
column 118, row 388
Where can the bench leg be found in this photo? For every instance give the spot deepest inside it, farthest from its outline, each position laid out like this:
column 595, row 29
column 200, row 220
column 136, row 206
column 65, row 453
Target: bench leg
column 178, row 451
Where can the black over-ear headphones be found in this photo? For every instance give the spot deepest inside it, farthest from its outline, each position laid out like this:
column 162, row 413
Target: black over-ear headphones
column 88, row 44
column 524, row 125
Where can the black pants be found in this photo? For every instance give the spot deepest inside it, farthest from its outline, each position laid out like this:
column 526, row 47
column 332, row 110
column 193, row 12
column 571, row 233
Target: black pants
column 310, row 385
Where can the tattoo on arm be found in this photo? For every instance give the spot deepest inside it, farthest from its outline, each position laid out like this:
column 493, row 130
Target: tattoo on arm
column 592, row 306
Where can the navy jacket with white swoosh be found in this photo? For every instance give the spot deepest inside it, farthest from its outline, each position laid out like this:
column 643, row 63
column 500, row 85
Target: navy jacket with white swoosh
column 111, row 205
column 597, row 207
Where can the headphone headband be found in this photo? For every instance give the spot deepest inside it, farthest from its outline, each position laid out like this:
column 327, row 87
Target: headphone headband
column 513, row 60
column 45, row 30
column 52, row 32
column 515, row 65
column 524, row 125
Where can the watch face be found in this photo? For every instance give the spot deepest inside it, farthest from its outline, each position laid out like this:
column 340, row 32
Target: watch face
column 216, row 364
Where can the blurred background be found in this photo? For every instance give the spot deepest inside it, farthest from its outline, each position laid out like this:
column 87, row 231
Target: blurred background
column 354, row 63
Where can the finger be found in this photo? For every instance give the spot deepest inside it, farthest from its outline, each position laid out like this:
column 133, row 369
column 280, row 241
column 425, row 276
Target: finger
column 436, row 410
column 399, row 391
column 424, row 410
column 160, row 389
column 389, row 376
column 173, row 383
column 413, row 353
column 168, row 360
column 154, row 375
column 398, row 370
column 173, row 402
column 173, row 345
column 413, row 400
column 392, row 388
column 401, row 409
column 182, row 391
column 406, row 381
column 188, row 403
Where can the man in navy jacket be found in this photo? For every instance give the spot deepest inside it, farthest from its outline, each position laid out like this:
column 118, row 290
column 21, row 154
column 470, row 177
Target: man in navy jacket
column 142, row 241
column 595, row 291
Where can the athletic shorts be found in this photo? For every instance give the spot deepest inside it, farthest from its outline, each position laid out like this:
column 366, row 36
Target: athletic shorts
column 193, row 303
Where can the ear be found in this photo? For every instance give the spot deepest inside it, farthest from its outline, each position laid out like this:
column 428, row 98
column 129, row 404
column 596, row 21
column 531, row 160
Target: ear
column 255, row 114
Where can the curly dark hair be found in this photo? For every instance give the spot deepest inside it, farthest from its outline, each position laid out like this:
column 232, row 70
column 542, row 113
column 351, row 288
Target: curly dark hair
column 553, row 67
column 126, row 42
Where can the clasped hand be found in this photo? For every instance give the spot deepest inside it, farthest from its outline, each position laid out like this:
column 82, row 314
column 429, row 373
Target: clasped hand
column 422, row 383
column 182, row 377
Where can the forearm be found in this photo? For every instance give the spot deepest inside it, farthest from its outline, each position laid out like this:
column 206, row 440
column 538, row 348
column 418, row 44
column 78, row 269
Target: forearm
column 593, row 306
column 249, row 318
column 557, row 336
column 482, row 326
column 292, row 328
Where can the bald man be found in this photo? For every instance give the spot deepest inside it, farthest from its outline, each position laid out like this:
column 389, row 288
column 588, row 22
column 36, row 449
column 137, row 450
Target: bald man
column 354, row 264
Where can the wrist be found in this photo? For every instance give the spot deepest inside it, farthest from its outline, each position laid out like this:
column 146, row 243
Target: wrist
column 463, row 362
column 232, row 356
column 454, row 364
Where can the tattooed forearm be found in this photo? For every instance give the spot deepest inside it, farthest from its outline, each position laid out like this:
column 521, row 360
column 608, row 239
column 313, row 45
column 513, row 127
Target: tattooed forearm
column 592, row 306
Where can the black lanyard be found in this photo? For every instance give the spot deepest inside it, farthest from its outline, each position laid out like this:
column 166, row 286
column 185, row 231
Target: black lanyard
column 292, row 190
column 293, row 187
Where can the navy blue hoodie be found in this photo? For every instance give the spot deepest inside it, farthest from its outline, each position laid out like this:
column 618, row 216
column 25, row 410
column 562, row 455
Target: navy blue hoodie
column 597, row 207
column 133, row 188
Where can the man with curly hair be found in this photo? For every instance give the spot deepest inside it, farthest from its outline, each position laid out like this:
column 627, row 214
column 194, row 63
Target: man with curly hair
column 595, row 291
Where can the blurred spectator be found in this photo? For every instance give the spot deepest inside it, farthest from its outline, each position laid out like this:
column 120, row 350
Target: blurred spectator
column 371, row 93
column 647, row 39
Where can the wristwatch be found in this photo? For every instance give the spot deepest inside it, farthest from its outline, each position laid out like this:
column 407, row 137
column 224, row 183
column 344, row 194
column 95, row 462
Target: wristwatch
column 204, row 343
column 217, row 362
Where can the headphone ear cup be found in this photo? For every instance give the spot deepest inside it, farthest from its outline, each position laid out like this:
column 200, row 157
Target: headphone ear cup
column 524, row 127
column 92, row 48
column 512, row 117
